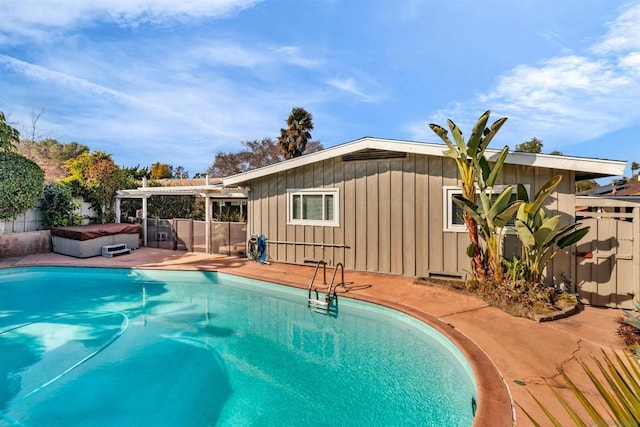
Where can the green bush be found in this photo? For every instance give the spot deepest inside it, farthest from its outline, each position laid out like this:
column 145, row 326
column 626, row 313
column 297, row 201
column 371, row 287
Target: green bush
column 58, row 206
column 21, row 184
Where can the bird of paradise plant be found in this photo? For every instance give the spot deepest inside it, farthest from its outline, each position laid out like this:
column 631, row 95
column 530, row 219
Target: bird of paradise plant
column 474, row 168
column 542, row 237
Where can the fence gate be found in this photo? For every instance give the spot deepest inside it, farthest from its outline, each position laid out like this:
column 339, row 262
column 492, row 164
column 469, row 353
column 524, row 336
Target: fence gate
column 608, row 257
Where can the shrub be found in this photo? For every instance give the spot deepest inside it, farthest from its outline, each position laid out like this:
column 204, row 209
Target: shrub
column 58, row 206
column 21, row 184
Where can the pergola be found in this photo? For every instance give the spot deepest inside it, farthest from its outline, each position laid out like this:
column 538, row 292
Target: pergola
column 209, row 191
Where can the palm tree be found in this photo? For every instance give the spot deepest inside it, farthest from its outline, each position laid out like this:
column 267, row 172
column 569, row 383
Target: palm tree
column 293, row 140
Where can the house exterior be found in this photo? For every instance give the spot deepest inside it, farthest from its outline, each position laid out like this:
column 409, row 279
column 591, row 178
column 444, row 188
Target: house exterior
column 384, row 206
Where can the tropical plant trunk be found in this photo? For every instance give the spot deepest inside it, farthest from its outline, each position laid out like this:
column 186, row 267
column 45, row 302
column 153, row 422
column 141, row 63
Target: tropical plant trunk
column 478, row 262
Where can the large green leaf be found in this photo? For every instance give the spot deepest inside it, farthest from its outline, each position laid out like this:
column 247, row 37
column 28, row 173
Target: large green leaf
column 442, row 133
column 503, row 218
column 524, row 211
column 476, row 135
column 484, row 167
column 485, row 201
column 521, row 193
column 495, row 127
column 544, row 193
column 500, row 203
column 572, row 238
column 470, row 208
column 458, row 138
column 548, row 231
column 497, row 167
column 525, row 234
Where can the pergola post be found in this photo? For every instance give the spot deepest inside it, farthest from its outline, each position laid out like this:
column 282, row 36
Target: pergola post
column 118, row 211
column 207, row 226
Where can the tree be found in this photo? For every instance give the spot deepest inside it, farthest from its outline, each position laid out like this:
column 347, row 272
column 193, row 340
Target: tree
column 9, row 136
column 293, row 140
column 161, row 171
column 474, row 169
column 634, row 167
column 51, row 155
column 585, row 185
column 58, row 206
column 254, row 154
column 180, row 173
column 21, row 184
column 96, row 178
column 534, row 145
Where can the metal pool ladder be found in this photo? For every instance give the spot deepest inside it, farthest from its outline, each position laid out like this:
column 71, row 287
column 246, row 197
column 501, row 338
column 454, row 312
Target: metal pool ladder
column 329, row 304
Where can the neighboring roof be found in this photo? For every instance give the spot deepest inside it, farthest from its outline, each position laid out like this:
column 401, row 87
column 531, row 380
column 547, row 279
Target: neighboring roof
column 617, row 188
column 585, row 168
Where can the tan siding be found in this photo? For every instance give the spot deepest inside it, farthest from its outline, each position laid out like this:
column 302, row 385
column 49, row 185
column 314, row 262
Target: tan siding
column 290, row 254
column 453, row 257
column 384, row 216
column 390, row 216
column 565, row 202
column 397, row 217
column 318, row 234
column 281, row 216
column 360, row 244
column 327, row 232
column 337, row 233
column 300, row 236
column 434, row 207
column 348, row 203
column 373, row 232
column 272, row 231
column 407, row 253
column 422, row 215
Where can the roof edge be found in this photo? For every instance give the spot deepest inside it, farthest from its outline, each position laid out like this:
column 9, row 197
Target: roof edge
column 584, row 167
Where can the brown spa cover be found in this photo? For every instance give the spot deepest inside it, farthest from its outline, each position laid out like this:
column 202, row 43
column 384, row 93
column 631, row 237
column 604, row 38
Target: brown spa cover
column 88, row 232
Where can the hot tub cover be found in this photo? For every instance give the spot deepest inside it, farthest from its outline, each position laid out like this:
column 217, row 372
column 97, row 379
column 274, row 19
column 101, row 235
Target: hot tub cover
column 88, row 232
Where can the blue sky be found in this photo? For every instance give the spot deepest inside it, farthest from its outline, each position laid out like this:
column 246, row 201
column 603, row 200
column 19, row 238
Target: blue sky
column 177, row 81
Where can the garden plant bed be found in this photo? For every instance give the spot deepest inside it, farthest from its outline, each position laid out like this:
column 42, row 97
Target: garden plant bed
column 565, row 304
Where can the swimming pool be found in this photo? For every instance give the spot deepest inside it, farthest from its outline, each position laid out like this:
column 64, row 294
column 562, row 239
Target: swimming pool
column 145, row 347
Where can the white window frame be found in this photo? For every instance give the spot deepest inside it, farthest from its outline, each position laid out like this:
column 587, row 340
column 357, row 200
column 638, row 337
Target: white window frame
column 447, row 203
column 335, row 192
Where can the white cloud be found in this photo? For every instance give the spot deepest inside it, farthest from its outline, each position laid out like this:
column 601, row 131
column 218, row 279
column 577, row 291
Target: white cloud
column 39, row 19
column 622, row 34
column 362, row 86
column 565, row 99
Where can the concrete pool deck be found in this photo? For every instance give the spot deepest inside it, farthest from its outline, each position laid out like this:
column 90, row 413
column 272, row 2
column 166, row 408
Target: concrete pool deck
column 523, row 355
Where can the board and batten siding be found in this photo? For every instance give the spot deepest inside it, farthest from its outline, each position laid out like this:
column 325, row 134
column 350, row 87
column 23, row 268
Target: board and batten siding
column 390, row 213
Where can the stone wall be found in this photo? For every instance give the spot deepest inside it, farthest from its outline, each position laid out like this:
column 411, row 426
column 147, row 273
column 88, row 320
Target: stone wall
column 21, row 244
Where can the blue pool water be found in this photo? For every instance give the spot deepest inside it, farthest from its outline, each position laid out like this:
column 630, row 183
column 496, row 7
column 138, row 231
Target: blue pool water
column 92, row 346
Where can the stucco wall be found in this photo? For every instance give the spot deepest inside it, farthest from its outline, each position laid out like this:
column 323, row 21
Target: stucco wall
column 21, row 244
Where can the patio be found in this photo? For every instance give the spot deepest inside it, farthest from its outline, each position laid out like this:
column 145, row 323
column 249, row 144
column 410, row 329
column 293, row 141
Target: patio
column 523, row 351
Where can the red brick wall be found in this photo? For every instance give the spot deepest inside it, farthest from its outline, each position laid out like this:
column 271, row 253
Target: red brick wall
column 21, row 244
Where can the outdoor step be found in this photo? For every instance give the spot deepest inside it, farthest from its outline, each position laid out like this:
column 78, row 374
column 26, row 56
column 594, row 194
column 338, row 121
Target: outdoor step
column 116, row 249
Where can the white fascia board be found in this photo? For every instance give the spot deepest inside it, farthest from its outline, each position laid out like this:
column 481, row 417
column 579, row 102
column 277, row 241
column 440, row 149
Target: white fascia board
column 591, row 166
column 597, row 167
column 338, row 150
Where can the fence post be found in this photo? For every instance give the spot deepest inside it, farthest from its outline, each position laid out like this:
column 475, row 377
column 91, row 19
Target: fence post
column 191, row 235
column 636, row 251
